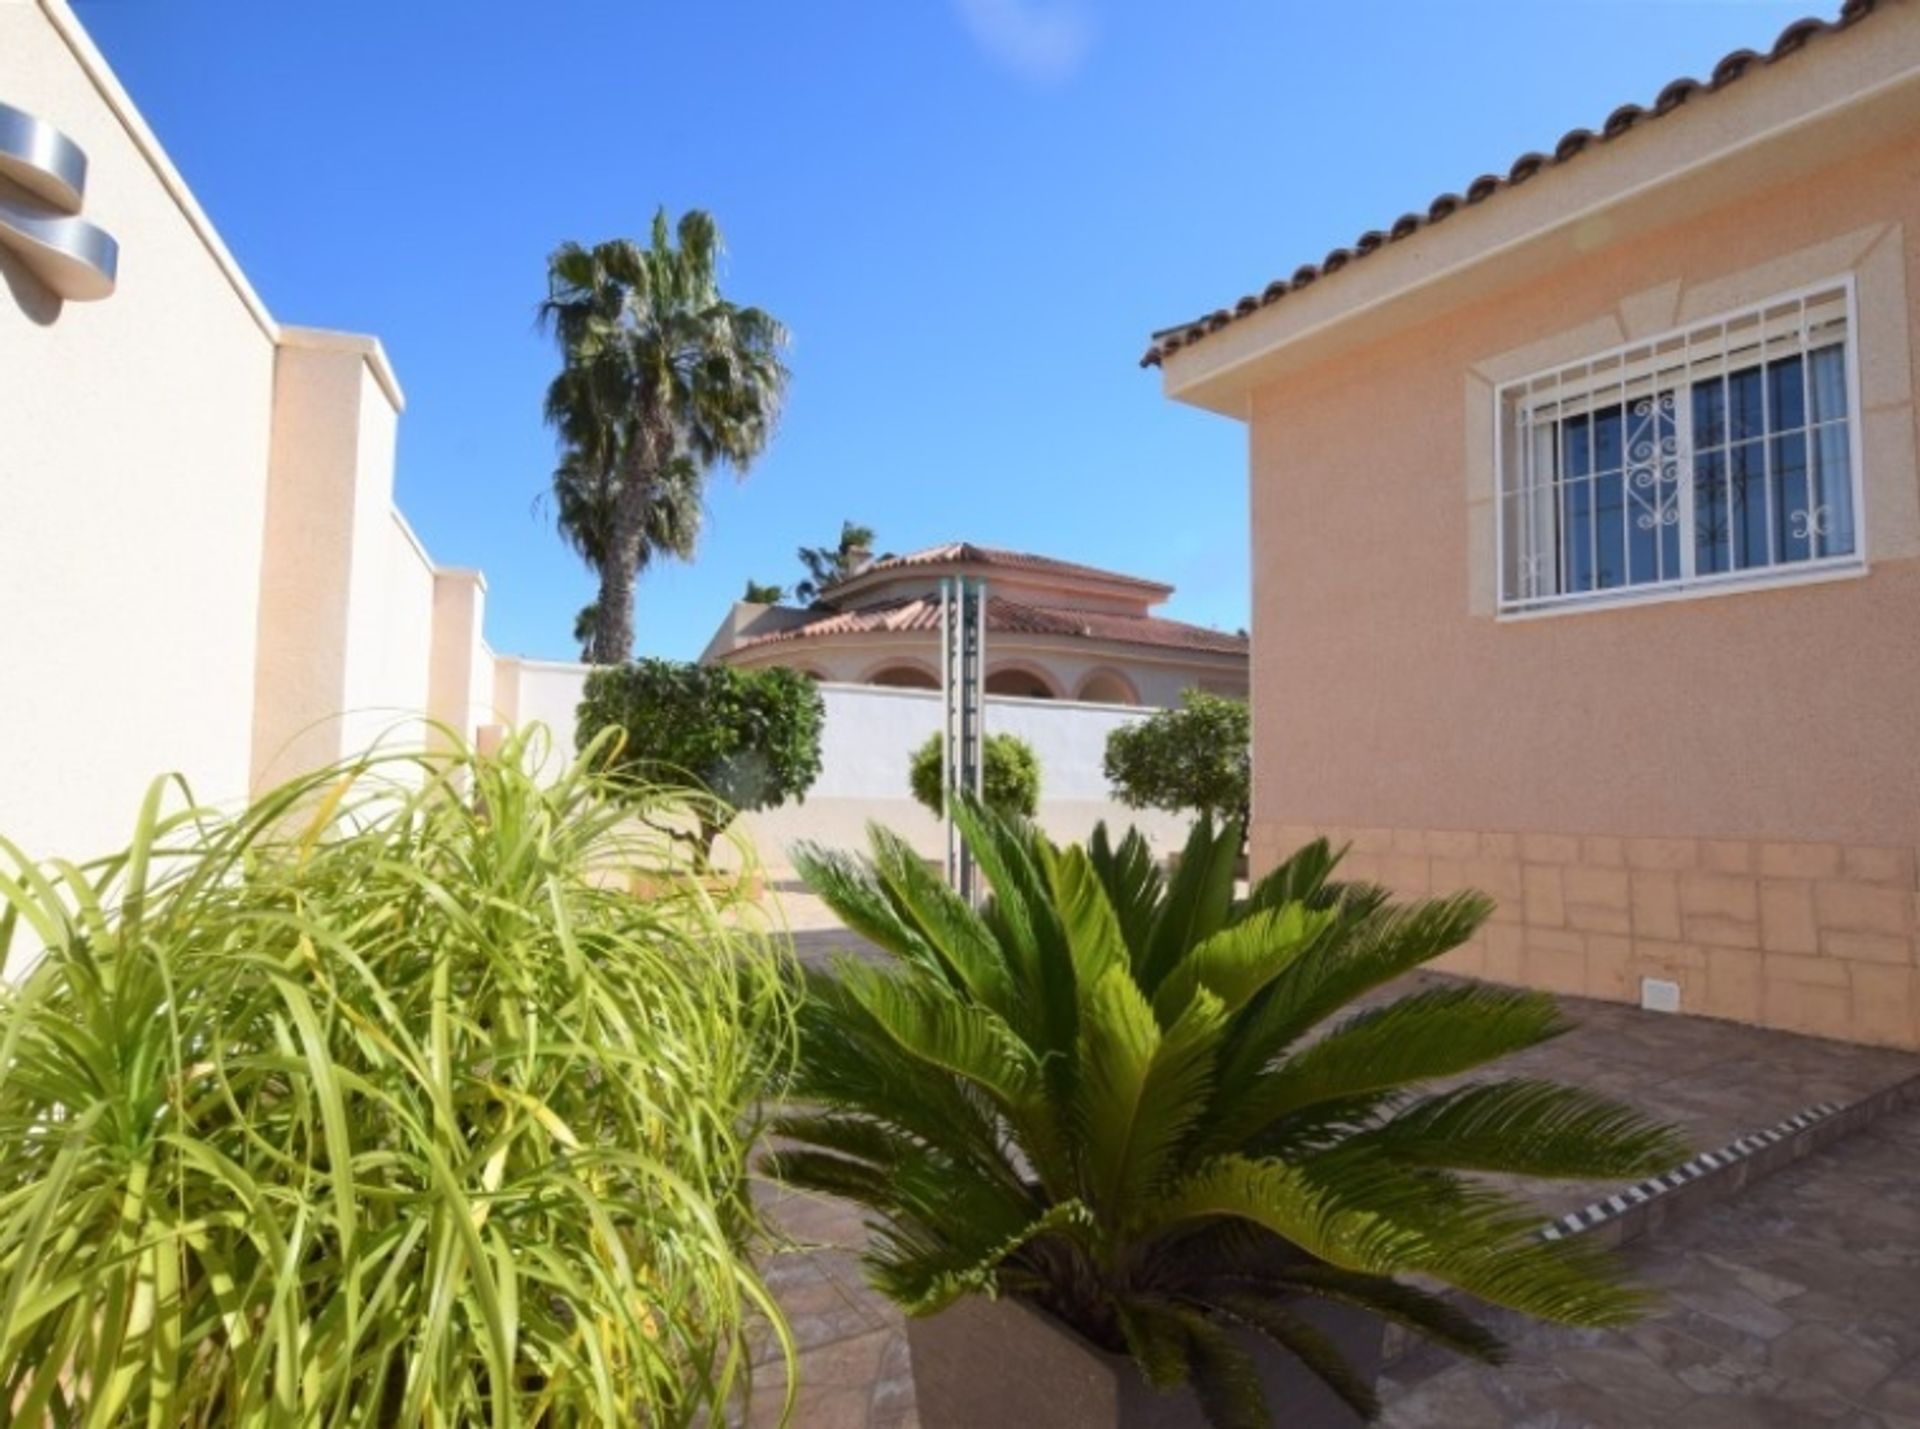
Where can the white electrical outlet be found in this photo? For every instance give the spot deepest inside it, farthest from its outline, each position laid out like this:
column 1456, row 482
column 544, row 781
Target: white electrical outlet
column 1659, row 995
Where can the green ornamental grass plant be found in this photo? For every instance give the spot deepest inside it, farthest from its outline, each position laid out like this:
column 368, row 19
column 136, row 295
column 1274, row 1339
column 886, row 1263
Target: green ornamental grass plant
column 380, row 1102
column 1124, row 1100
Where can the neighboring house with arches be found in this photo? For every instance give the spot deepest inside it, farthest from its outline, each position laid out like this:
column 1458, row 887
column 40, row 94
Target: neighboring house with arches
column 1055, row 631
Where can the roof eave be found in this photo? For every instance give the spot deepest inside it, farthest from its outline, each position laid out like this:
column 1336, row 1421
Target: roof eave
column 1853, row 90
column 875, row 576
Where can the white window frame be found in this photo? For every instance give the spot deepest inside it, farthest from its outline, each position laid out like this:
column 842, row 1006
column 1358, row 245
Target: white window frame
column 1591, row 391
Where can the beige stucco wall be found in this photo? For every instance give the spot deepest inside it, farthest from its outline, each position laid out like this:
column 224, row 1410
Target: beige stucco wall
column 1388, row 699
column 201, row 566
column 461, row 667
column 133, row 441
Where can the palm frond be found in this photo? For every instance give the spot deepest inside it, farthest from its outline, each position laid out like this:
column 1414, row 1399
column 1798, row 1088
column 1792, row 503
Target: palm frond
column 1087, row 919
column 851, row 1061
column 1307, row 1343
column 1426, row 1035
column 851, row 890
column 1223, row 1377
column 830, row 1175
column 1156, row 1339
column 1197, row 903
column 1432, row 1316
column 1365, row 947
column 925, row 1280
column 931, row 1025
column 1140, row 1090
column 859, row 1137
column 1302, row 878
column 1133, row 883
column 1529, row 1128
column 946, row 924
column 1011, row 853
column 1235, row 963
column 1356, row 1222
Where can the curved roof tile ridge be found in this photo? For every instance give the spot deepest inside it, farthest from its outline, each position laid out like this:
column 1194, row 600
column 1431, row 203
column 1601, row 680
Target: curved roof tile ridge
column 1575, row 142
column 922, row 613
column 971, row 553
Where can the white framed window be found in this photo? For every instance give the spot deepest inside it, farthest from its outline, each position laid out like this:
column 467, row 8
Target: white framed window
column 1723, row 454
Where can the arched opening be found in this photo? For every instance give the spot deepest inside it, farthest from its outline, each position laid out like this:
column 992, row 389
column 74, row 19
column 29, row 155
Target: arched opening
column 1108, row 687
column 1020, row 682
column 903, row 677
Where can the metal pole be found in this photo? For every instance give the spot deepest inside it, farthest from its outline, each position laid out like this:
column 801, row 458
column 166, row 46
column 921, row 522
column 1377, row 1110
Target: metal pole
column 946, row 726
column 963, row 710
column 963, row 716
column 980, row 691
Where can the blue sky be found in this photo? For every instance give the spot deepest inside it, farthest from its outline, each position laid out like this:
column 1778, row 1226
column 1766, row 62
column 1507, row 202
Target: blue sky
column 970, row 212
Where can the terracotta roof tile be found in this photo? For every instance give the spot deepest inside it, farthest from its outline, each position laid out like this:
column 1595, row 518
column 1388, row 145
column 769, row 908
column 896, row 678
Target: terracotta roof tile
column 1012, row 617
column 1623, row 120
column 965, row 552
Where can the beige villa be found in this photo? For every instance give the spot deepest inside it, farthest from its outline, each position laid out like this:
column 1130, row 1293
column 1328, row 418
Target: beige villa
column 1615, row 612
column 1055, row 631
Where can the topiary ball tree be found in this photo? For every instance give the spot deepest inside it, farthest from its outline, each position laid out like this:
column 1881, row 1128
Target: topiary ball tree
column 1012, row 784
column 1195, row 759
column 751, row 738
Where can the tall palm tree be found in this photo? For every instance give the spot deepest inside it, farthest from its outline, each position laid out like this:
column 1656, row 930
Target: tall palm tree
column 662, row 379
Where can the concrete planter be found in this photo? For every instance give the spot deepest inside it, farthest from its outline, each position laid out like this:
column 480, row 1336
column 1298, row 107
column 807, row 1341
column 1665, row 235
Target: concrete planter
column 1002, row 1364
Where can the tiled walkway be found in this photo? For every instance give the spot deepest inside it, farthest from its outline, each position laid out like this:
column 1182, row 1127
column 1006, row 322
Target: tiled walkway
column 1718, row 1081
column 1797, row 1303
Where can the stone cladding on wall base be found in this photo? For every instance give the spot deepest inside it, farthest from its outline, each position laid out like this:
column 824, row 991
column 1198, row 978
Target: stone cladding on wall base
column 1816, row 938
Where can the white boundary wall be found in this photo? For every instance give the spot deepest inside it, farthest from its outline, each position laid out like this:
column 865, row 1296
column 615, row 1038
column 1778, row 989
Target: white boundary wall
column 868, row 739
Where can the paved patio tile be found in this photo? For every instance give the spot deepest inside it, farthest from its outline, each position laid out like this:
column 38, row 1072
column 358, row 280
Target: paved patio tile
column 1794, row 1304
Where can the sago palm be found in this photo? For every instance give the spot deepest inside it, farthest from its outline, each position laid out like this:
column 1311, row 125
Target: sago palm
column 660, row 375
column 1116, row 1096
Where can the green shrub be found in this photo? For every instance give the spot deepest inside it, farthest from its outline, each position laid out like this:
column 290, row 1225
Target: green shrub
column 1010, row 781
column 380, row 1102
column 1195, row 759
column 751, row 738
column 1117, row 1097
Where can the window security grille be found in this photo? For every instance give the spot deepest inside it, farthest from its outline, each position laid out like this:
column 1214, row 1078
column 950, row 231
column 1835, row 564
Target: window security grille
column 1724, row 453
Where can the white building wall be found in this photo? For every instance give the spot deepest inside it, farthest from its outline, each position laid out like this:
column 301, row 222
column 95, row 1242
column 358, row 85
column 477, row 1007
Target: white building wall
column 865, row 746
column 403, row 640
column 133, row 448
column 201, row 568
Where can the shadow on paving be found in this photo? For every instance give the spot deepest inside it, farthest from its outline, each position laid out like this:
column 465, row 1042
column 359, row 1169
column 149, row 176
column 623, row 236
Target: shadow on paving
column 1795, row 1304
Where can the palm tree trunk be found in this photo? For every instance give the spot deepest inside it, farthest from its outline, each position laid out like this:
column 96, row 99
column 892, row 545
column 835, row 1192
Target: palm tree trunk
column 613, row 621
column 613, row 637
